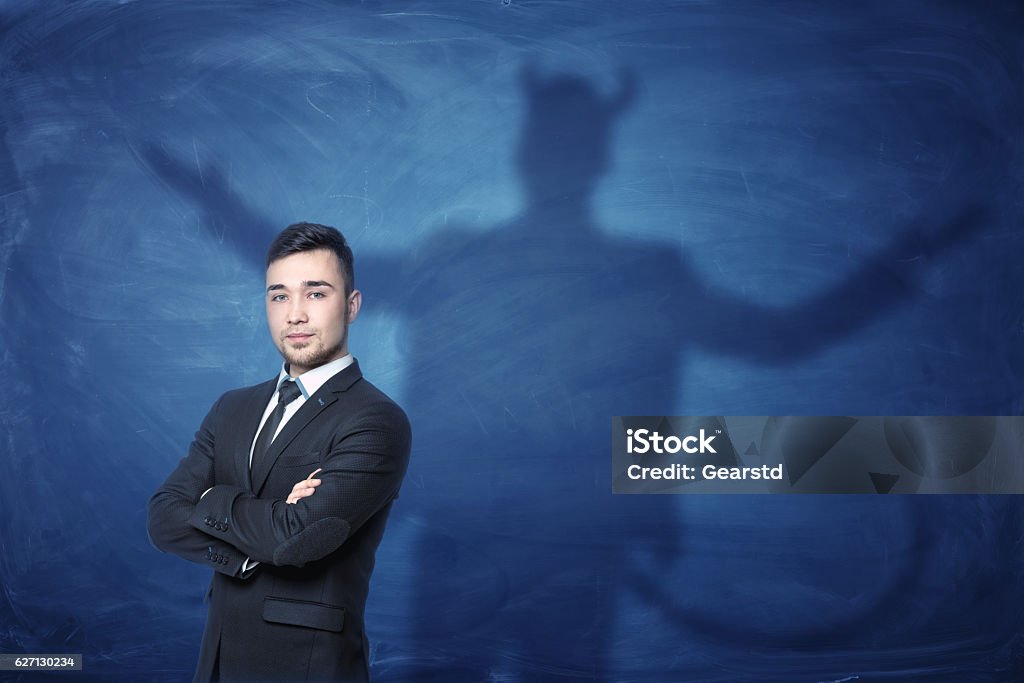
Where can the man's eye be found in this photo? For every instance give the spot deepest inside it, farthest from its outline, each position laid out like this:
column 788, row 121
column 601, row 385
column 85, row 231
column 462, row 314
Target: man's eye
column 278, row 297
column 316, row 295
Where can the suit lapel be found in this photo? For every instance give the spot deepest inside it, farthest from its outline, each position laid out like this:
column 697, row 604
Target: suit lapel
column 313, row 406
column 251, row 415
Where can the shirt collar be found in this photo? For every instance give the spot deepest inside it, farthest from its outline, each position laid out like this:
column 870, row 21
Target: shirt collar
column 311, row 380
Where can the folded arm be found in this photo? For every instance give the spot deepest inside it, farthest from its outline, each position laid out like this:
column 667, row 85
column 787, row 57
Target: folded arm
column 173, row 504
column 362, row 473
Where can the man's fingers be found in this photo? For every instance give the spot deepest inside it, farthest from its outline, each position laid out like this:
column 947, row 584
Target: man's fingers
column 298, row 494
column 306, row 487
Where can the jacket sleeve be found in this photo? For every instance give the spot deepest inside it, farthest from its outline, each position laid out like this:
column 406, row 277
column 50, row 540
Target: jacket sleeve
column 362, row 473
column 173, row 504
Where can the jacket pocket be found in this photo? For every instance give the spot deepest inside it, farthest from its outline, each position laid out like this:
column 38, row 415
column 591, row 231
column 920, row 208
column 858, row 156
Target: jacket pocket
column 301, row 613
column 299, row 459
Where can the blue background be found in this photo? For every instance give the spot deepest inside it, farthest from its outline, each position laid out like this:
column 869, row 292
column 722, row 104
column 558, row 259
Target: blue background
column 561, row 211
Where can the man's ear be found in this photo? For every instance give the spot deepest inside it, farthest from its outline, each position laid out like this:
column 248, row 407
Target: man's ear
column 354, row 303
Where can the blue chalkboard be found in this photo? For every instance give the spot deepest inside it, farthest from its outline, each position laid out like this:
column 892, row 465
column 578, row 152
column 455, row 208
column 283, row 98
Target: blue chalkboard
column 561, row 212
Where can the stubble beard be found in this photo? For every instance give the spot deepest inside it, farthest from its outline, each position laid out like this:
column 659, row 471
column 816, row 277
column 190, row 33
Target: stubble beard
column 314, row 354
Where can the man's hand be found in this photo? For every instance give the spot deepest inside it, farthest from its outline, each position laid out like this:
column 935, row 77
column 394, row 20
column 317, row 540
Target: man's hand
column 306, row 487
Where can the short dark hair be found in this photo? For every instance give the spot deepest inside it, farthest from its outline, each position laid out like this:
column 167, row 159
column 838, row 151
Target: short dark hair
column 300, row 237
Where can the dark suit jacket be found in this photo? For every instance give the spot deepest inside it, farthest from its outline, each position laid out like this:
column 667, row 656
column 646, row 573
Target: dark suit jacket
column 298, row 616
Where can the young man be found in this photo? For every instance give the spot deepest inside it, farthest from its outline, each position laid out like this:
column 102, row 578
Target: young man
column 292, row 554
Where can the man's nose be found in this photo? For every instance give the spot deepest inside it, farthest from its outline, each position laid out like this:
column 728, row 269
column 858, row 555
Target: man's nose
column 297, row 312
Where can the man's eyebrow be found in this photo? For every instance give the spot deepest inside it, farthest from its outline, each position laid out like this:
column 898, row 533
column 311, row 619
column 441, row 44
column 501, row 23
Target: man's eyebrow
column 306, row 284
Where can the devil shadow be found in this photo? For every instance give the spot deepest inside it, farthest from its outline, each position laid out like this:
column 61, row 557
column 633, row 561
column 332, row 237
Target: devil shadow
column 521, row 342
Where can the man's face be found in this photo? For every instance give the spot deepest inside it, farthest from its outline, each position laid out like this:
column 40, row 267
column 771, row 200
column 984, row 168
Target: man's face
column 307, row 310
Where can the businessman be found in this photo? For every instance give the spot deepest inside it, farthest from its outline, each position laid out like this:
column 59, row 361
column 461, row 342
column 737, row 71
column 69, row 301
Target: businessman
column 287, row 485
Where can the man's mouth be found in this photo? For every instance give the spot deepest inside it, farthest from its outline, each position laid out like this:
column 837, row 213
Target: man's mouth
column 299, row 336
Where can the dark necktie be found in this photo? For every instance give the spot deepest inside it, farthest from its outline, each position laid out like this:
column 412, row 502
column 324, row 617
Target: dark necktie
column 288, row 392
